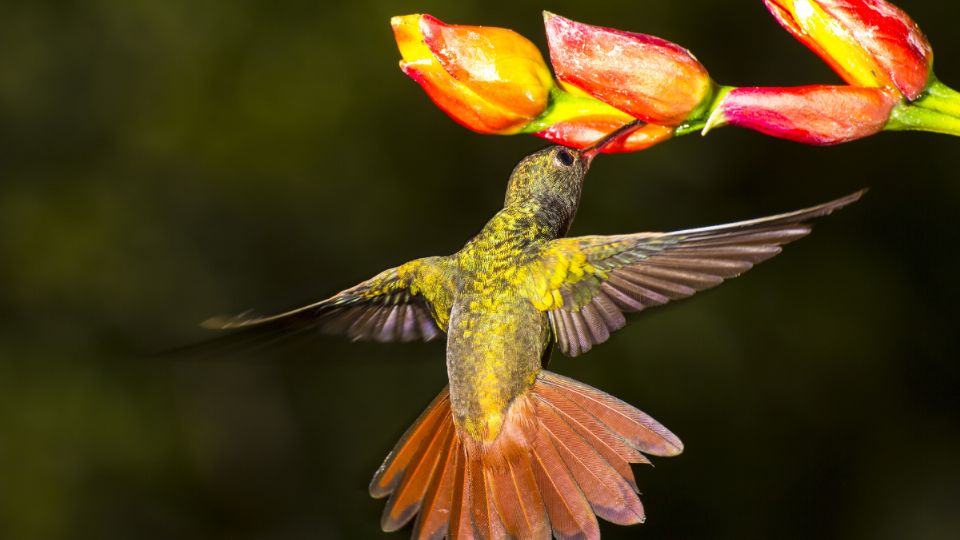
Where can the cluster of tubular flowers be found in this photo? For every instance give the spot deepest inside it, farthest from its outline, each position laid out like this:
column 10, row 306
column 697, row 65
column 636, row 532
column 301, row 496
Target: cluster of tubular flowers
column 493, row 80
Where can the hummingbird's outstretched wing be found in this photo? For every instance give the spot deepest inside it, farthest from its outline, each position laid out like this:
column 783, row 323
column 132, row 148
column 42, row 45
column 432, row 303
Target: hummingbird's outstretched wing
column 387, row 307
column 587, row 283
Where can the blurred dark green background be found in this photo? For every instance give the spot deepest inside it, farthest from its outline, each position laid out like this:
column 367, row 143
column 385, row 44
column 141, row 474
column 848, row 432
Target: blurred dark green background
column 164, row 161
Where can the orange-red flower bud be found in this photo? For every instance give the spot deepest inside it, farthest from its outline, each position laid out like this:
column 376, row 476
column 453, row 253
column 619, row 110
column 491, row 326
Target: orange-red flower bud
column 491, row 80
column 644, row 76
column 867, row 42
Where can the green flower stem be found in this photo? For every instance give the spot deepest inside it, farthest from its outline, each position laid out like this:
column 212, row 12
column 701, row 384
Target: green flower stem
column 907, row 116
column 700, row 121
column 690, row 126
column 940, row 97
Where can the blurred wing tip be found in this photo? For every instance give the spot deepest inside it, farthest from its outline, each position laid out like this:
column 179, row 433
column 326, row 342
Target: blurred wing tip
column 803, row 217
column 845, row 201
column 856, row 195
column 228, row 322
column 216, row 323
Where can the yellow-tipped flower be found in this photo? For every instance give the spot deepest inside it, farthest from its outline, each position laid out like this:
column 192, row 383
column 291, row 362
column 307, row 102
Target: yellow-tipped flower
column 491, row 80
column 869, row 43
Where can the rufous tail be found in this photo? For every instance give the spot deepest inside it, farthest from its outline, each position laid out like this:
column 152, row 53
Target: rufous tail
column 561, row 459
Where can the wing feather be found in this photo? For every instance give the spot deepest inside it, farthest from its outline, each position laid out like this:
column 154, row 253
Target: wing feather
column 601, row 278
column 386, row 308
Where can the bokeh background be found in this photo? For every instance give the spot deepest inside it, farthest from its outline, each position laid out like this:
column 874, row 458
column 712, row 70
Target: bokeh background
column 161, row 162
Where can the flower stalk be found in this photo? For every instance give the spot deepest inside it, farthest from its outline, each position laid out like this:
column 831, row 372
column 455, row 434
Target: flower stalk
column 941, row 98
column 911, row 117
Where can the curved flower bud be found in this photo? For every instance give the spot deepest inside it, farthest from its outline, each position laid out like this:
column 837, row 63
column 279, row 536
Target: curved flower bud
column 819, row 115
column 645, row 76
column 491, row 80
column 582, row 131
column 867, row 42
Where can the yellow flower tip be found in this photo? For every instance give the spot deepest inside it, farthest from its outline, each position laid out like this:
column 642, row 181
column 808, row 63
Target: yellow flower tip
column 406, row 25
column 409, row 37
column 398, row 20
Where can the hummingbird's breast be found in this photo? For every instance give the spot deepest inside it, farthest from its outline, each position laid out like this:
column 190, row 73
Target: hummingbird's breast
column 496, row 336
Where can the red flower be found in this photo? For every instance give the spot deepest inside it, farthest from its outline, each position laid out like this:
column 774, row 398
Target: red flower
column 645, row 76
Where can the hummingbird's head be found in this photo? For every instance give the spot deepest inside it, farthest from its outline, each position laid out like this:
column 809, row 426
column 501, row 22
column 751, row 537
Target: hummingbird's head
column 554, row 176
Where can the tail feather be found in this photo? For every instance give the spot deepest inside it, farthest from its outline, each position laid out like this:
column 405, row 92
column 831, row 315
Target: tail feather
column 570, row 514
column 510, row 477
column 433, row 520
column 609, row 494
column 391, row 472
column 498, row 530
column 562, row 456
column 610, row 446
column 483, row 512
column 407, row 498
column 634, row 426
column 461, row 526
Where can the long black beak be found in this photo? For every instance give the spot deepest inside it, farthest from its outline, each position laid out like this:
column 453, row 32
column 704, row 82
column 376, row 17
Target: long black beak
column 591, row 151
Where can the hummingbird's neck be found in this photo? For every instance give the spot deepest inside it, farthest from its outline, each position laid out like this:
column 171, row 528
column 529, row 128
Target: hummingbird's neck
column 531, row 220
column 552, row 215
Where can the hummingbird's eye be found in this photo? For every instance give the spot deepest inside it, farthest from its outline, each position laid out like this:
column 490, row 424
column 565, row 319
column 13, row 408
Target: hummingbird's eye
column 565, row 158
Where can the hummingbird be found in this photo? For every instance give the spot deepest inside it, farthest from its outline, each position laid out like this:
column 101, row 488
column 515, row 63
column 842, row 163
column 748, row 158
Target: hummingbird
column 509, row 449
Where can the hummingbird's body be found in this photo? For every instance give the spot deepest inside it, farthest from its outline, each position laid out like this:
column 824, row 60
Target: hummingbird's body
column 496, row 337
column 509, row 448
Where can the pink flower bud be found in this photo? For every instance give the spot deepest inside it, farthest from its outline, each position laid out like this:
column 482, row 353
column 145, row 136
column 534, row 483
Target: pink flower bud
column 819, row 115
